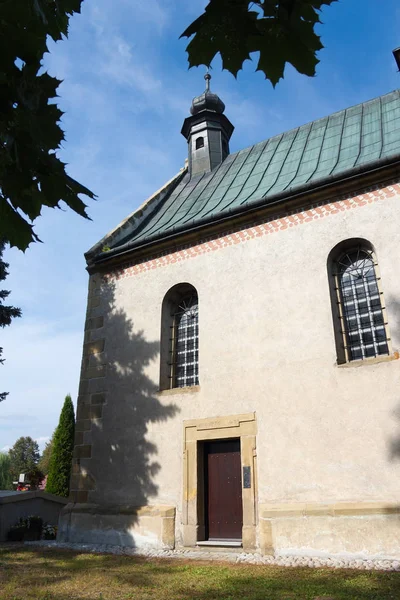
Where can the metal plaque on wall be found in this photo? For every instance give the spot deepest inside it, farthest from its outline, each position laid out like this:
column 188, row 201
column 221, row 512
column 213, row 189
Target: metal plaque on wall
column 246, row 477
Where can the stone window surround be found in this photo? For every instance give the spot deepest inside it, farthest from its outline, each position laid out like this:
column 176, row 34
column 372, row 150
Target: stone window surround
column 343, row 359
column 242, row 426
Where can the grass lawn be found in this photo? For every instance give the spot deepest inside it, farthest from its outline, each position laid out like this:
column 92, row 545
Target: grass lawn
column 67, row 575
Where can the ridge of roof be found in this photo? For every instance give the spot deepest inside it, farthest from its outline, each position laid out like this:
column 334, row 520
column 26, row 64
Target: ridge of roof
column 346, row 142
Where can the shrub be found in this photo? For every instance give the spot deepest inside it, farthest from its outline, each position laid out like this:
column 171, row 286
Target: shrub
column 35, row 477
column 27, row 528
column 49, row 532
column 16, row 533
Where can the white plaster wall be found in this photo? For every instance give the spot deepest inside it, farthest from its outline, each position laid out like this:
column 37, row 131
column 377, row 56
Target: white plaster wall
column 266, row 345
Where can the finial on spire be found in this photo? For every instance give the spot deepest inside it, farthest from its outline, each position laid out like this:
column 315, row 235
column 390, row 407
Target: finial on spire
column 208, row 100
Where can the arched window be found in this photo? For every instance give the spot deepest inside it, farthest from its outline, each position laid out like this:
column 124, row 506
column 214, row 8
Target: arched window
column 185, row 342
column 180, row 338
column 359, row 300
column 199, row 143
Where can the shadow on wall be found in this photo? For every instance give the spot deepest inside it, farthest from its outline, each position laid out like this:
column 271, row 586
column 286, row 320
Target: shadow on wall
column 123, row 460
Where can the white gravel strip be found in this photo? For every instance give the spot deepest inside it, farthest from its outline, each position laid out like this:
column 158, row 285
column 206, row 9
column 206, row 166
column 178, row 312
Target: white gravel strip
column 235, row 557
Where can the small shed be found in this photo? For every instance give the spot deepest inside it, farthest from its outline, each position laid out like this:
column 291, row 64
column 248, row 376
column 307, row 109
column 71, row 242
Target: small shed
column 14, row 505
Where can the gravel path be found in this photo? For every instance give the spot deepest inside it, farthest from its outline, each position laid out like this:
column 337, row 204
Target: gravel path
column 233, row 557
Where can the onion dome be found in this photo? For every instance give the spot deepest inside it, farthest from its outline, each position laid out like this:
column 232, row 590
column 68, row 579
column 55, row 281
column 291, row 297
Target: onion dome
column 207, row 100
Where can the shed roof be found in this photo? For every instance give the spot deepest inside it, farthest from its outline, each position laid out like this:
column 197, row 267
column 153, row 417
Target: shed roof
column 354, row 139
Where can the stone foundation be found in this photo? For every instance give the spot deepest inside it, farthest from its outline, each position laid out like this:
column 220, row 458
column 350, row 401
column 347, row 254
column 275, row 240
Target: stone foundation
column 141, row 527
column 326, row 530
column 363, row 529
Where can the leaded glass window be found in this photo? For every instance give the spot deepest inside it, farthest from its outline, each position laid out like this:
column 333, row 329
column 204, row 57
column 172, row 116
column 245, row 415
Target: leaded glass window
column 185, row 343
column 360, row 305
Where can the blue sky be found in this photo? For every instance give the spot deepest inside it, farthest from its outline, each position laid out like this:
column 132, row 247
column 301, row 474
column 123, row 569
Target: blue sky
column 126, row 92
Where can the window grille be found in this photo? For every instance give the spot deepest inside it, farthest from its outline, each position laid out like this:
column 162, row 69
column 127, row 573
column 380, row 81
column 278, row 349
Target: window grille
column 185, row 343
column 360, row 305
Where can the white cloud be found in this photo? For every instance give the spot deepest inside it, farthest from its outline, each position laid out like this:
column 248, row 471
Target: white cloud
column 142, row 15
column 119, row 64
column 150, row 12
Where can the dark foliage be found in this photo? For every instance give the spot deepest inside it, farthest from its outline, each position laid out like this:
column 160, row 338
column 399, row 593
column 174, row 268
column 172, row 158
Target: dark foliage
column 31, row 175
column 34, row 477
column 280, row 32
column 24, row 456
column 28, row 528
column 61, row 456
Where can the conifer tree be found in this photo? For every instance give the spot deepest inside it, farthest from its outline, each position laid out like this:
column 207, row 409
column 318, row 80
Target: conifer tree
column 61, row 456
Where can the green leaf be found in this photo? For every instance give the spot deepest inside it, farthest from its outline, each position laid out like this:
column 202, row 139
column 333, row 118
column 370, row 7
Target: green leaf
column 280, row 31
column 78, row 188
column 225, row 27
column 14, row 228
column 271, row 59
column 31, row 175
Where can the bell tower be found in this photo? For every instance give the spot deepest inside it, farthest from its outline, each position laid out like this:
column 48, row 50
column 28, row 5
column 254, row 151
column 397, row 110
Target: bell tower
column 207, row 132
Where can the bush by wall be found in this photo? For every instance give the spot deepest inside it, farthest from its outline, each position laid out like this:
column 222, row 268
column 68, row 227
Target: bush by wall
column 28, row 528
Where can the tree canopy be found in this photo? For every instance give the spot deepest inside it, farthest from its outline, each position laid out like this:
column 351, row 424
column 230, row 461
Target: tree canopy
column 7, row 313
column 24, row 456
column 280, row 31
column 31, row 174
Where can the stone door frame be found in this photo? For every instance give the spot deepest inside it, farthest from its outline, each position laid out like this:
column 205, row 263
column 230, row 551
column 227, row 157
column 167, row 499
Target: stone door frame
column 243, row 427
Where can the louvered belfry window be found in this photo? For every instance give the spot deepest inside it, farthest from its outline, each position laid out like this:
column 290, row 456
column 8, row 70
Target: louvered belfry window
column 360, row 305
column 185, row 343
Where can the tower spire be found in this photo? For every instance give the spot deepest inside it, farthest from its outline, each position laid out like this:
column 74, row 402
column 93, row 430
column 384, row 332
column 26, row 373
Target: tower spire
column 207, row 131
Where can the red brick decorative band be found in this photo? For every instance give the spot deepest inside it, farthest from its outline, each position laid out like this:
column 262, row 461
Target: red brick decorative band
column 255, row 230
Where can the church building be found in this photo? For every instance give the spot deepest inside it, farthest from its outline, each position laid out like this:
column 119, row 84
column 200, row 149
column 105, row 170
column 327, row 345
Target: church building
column 240, row 382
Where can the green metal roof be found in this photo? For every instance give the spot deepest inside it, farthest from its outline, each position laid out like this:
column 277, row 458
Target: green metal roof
column 346, row 140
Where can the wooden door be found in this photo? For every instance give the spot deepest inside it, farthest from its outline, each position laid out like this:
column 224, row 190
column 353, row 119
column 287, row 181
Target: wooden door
column 223, row 486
